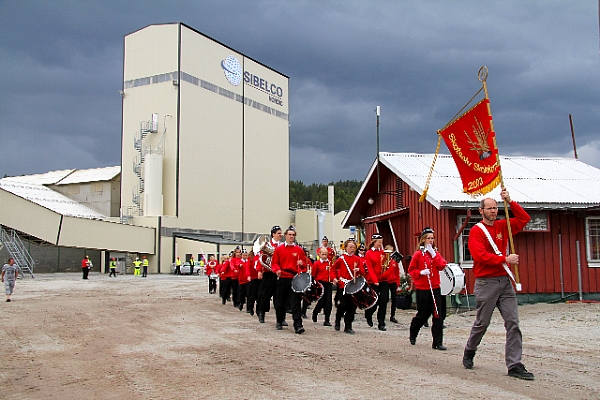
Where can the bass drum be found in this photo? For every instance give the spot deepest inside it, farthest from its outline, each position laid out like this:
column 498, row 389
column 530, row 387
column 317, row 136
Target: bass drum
column 452, row 280
column 307, row 286
column 362, row 294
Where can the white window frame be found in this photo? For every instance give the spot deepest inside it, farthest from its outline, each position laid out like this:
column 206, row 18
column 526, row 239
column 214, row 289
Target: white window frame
column 464, row 235
column 592, row 241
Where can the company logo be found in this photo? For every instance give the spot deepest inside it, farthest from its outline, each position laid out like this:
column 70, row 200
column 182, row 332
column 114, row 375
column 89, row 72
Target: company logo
column 275, row 92
column 232, row 69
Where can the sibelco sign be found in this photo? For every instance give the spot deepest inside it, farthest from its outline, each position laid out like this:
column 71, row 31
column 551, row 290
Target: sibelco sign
column 233, row 72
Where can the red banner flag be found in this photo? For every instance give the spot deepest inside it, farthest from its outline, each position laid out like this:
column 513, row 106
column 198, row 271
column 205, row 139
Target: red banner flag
column 472, row 143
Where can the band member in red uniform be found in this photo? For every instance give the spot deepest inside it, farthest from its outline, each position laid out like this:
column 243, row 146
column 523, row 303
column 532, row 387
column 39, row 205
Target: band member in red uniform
column 374, row 258
column 330, row 252
column 243, row 279
column 424, row 270
column 306, row 303
column 323, row 272
column 268, row 280
column 252, row 288
column 225, row 280
column 288, row 260
column 235, row 268
column 348, row 266
column 392, row 277
column 210, row 271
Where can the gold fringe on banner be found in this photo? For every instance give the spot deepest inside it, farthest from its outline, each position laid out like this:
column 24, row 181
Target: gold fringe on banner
column 489, row 187
column 437, row 150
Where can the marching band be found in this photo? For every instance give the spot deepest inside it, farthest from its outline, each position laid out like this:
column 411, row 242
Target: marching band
column 365, row 279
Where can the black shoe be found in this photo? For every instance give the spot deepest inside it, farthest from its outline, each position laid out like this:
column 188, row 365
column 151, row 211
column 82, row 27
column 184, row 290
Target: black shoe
column 223, row 302
column 300, row 330
column 349, row 331
column 251, row 312
column 370, row 322
column 8, row 300
column 468, row 359
column 394, row 320
column 241, row 307
column 413, row 341
column 278, row 326
column 314, row 317
column 337, row 326
column 519, row 371
column 304, row 316
column 439, row 347
column 426, row 324
column 261, row 318
column 284, row 323
column 381, row 328
column 326, row 323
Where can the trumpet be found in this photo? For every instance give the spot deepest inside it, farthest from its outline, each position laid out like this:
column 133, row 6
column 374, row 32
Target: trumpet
column 386, row 261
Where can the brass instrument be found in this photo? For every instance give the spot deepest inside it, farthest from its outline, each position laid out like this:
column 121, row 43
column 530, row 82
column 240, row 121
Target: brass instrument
column 386, row 261
column 263, row 246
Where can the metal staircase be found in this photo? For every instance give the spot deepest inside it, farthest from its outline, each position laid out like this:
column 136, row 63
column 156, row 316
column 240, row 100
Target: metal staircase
column 146, row 127
column 17, row 250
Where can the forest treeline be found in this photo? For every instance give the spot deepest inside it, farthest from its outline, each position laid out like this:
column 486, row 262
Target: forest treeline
column 315, row 194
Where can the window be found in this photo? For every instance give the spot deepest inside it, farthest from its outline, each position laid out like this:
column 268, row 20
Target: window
column 592, row 235
column 465, row 255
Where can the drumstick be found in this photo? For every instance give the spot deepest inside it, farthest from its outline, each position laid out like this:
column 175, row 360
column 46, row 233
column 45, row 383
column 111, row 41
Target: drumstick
column 435, row 309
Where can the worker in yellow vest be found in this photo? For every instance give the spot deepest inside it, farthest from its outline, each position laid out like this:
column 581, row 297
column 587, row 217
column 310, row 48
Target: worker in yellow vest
column 136, row 266
column 192, row 263
column 144, row 267
column 113, row 267
column 178, row 266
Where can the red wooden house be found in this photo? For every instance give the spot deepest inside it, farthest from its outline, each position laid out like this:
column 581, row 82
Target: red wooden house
column 559, row 249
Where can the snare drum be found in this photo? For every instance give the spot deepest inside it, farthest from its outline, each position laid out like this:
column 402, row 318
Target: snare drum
column 305, row 284
column 452, row 279
column 362, row 294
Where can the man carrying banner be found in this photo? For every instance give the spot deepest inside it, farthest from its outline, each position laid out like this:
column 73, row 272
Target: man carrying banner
column 493, row 286
column 472, row 142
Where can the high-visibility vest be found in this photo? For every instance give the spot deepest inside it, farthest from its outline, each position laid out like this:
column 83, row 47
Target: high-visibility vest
column 137, row 263
column 113, row 264
column 145, row 263
column 178, row 262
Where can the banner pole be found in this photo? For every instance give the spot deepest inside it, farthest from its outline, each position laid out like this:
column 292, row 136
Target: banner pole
column 482, row 76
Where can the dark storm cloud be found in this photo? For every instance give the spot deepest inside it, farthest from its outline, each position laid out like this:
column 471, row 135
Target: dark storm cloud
column 61, row 67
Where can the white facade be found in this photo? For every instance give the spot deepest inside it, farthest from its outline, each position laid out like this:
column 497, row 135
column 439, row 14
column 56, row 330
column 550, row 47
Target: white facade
column 220, row 120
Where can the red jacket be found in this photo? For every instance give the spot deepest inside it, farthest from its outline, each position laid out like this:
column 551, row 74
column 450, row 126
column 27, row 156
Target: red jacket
column 392, row 274
column 419, row 262
column 373, row 258
column 243, row 274
column 345, row 262
column 322, row 271
column 485, row 261
column 211, row 267
column 285, row 259
column 224, row 271
column 252, row 268
column 235, row 266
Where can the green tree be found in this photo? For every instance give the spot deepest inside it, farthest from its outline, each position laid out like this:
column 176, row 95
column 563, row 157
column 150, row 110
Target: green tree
column 315, row 194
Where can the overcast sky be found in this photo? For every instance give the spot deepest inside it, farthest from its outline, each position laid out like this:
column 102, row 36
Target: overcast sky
column 61, row 69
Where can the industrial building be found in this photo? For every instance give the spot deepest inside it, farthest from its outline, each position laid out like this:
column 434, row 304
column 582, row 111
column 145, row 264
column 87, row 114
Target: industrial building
column 204, row 162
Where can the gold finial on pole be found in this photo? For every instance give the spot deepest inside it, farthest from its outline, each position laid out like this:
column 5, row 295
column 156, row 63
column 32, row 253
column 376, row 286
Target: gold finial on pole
column 482, row 75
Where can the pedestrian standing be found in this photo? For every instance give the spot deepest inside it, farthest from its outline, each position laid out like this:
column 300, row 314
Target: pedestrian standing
column 10, row 271
column 113, row 267
column 85, row 266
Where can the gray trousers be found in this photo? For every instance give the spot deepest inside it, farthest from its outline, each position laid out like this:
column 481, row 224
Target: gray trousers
column 491, row 293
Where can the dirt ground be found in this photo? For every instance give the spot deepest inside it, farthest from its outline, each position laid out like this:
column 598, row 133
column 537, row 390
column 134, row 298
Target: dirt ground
column 165, row 337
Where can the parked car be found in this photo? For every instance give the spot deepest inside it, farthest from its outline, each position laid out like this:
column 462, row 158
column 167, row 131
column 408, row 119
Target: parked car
column 185, row 268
